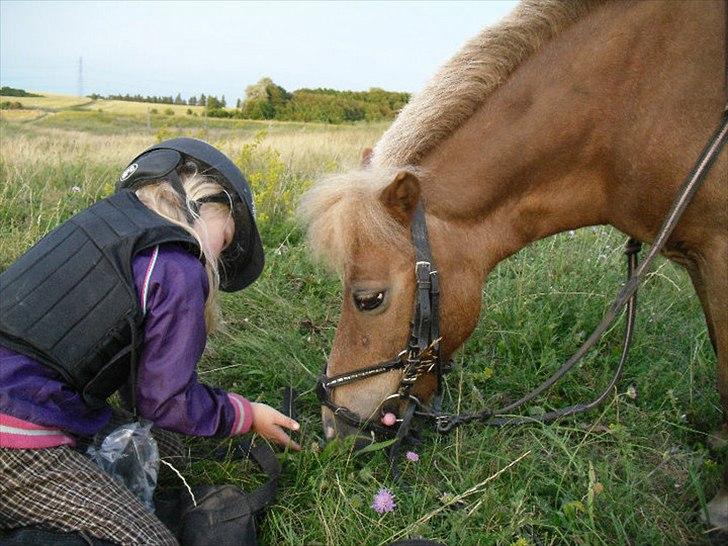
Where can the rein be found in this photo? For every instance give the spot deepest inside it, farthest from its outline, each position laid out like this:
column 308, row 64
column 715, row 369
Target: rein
column 422, row 354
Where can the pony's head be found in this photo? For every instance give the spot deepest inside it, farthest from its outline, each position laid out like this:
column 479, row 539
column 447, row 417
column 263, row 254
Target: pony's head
column 359, row 224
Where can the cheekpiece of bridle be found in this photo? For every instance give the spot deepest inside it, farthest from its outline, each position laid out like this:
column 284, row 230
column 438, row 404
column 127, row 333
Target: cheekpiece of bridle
column 422, row 355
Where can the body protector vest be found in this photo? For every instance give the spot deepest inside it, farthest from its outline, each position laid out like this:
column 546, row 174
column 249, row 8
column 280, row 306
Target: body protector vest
column 70, row 301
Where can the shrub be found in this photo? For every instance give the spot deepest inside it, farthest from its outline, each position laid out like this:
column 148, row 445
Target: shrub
column 274, row 188
column 169, row 111
column 219, row 113
column 163, row 133
column 10, row 105
column 12, row 92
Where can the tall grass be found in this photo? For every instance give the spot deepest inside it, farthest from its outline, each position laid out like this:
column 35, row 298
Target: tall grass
column 635, row 471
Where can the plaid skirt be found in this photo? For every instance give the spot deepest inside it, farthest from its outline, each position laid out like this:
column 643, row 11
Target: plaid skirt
column 61, row 489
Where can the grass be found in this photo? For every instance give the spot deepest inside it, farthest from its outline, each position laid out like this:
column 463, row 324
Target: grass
column 126, row 108
column 635, row 471
column 49, row 102
column 59, row 103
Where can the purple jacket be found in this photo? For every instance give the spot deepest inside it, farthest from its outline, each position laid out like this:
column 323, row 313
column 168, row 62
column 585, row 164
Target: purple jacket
column 172, row 287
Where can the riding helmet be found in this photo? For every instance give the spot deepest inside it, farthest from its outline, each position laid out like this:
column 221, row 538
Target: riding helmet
column 242, row 261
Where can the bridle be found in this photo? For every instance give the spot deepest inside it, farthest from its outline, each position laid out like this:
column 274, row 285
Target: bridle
column 422, row 354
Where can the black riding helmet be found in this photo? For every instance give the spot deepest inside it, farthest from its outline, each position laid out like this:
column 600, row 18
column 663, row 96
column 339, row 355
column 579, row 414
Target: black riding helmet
column 242, row 261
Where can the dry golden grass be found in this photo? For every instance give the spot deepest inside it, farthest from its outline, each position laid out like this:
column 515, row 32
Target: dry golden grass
column 20, row 115
column 313, row 150
column 131, row 108
column 49, row 145
column 309, row 150
column 58, row 102
column 48, row 101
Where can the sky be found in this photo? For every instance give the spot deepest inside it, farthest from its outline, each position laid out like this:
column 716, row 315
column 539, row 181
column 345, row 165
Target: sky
column 219, row 48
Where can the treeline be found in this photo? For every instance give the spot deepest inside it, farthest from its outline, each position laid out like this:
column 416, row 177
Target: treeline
column 267, row 100
column 211, row 101
column 12, row 92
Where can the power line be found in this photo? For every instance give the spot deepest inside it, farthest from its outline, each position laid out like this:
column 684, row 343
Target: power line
column 80, row 76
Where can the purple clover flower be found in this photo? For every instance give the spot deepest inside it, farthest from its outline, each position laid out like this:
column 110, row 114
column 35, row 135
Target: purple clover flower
column 383, row 501
column 412, row 456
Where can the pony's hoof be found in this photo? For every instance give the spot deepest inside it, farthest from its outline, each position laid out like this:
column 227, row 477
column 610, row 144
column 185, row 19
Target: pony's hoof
column 718, row 510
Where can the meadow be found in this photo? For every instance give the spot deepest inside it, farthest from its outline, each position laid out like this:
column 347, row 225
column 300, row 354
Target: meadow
column 638, row 470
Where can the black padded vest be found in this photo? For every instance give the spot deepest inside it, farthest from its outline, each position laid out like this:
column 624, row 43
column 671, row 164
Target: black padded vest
column 70, row 301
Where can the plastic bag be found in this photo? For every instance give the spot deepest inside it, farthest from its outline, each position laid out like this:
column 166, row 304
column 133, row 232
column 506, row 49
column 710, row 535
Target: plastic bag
column 130, row 455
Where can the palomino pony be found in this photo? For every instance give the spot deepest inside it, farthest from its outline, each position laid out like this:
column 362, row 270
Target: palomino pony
column 566, row 114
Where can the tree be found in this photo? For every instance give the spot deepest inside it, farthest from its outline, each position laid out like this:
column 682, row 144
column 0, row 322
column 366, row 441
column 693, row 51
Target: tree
column 264, row 100
column 213, row 103
column 178, row 99
column 192, row 101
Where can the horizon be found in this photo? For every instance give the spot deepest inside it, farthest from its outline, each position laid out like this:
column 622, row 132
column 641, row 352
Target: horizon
column 298, row 45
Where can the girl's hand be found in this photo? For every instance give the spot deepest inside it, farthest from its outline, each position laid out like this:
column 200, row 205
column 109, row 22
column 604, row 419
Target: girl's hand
column 269, row 423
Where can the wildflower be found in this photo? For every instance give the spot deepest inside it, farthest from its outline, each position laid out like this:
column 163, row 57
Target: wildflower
column 383, row 501
column 632, row 392
column 75, row 189
column 451, row 501
column 447, row 498
column 412, row 456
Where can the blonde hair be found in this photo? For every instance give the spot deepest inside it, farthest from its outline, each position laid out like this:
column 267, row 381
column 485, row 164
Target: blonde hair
column 165, row 201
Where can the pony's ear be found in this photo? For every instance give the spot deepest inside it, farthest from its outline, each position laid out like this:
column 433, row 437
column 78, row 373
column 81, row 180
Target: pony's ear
column 366, row 157
column 401, row 195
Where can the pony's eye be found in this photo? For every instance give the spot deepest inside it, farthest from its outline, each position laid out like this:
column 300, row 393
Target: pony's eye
column 368, row 301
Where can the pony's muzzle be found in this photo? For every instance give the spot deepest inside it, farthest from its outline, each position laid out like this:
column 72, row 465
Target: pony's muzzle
column 337, row 428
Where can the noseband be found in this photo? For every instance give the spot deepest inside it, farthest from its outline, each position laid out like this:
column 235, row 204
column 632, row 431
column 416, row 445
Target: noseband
column 422, row 355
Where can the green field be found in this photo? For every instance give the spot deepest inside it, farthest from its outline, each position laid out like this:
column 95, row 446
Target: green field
column 636, row 471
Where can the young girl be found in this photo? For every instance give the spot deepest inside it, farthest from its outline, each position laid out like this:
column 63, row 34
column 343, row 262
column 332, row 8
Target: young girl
column 122, row 295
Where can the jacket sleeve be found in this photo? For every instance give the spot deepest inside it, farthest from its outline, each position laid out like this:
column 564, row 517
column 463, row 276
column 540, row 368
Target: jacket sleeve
column 172, row 286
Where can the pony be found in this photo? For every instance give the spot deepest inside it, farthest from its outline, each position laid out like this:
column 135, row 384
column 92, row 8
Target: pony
column 563, row 115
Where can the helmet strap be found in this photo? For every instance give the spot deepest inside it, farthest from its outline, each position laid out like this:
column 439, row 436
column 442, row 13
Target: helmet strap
column 176, row 183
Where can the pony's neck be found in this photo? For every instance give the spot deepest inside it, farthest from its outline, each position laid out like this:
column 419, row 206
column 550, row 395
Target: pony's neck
column 545, row 152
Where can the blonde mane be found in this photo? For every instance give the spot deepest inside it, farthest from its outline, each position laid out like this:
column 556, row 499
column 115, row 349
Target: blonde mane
column 461, row 85
column 344, row 209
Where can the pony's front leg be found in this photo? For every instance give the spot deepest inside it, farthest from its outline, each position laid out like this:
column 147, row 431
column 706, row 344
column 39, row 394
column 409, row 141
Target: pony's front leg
column 715, row 284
